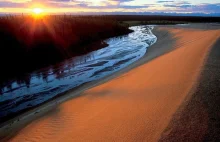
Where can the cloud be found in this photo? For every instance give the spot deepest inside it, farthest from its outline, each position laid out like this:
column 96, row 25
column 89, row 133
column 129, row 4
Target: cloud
column 165, row 1
column 209, row 8
column 188, row 7
column 117, row 5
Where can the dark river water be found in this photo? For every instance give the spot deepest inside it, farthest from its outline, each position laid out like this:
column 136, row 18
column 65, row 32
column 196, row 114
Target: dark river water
column 43, row 85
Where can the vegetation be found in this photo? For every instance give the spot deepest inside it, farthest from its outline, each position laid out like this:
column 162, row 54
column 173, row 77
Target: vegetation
column 134, row 20
column 29, row 43
column 163, row 19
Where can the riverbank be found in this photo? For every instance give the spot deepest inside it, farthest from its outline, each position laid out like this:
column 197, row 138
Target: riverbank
column 49, row 40
column 135, row 106
column 44, row 85
column 152, row 52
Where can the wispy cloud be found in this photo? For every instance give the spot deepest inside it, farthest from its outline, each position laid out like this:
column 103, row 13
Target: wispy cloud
column 117, row 5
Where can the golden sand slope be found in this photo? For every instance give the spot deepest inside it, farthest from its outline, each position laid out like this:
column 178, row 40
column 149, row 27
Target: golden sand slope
column 136, row 106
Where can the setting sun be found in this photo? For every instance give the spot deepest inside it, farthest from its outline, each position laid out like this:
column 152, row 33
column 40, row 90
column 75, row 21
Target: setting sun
column 37, row 11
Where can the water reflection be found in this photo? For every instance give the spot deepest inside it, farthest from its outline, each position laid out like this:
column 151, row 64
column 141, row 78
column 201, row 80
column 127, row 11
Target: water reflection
column 45, row 84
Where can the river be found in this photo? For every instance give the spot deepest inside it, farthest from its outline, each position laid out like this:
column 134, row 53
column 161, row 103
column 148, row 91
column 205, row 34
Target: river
column 40, row 86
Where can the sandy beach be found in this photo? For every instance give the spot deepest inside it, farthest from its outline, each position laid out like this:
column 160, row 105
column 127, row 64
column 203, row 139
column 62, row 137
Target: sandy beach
column 146, row 101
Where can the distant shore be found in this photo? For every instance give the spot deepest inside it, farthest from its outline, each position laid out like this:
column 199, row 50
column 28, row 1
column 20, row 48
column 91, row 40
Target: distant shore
column 135, row 104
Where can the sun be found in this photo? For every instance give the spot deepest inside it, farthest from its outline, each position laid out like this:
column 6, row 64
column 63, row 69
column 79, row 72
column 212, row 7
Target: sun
column 37, row 11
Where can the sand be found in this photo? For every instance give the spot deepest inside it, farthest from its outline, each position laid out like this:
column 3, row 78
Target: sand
column 135, row 105
column 198, row 119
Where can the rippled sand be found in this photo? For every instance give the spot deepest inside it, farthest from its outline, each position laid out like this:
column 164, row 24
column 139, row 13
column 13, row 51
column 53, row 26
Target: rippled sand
column 135, row 106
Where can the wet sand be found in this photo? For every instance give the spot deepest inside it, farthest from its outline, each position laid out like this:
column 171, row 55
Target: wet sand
column 135, row 105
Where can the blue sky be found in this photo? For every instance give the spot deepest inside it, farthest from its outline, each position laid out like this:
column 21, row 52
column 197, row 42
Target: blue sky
column 56, row 6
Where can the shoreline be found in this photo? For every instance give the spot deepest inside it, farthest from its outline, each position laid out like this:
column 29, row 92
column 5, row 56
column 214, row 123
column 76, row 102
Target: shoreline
column 94, row 46
column 18, row 113
column 119, row 109
column 37, row 47
column 34, row 112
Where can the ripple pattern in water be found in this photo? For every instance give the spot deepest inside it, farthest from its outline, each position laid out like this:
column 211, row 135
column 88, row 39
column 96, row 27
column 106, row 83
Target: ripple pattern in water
column 44, row 85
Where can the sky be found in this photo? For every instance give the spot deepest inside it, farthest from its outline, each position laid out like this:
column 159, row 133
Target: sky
column 79, row 6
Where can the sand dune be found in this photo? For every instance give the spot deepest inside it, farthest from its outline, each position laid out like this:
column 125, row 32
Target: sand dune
column 135, row 106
